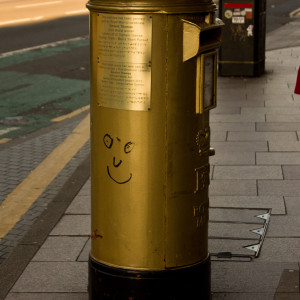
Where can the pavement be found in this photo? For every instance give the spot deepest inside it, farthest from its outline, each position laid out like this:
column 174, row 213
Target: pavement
column 254, row 236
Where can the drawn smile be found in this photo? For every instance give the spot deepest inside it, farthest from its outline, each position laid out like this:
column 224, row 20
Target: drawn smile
column 119, row 182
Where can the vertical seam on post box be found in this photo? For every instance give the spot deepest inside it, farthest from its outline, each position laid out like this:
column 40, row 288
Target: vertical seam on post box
column 166, row 138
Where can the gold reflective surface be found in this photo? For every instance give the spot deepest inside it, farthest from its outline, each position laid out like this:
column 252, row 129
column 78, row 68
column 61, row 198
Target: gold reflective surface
column 152, row 6
column 150, row 169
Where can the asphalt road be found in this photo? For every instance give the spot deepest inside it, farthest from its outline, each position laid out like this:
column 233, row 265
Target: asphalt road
column 30, row 66
column 280, row 12
column 38, row 33
column 16, row 12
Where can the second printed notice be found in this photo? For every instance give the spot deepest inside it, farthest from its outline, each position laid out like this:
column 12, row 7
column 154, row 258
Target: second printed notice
column 124, row 61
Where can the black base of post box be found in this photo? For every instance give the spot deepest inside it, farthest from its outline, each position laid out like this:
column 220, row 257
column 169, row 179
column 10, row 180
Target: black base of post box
column 107, row 282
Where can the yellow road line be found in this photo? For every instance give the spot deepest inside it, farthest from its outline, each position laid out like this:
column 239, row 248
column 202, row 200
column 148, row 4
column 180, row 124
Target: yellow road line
column 72, row 114
column 4, row 140
column 19, row 201
column 295, row 13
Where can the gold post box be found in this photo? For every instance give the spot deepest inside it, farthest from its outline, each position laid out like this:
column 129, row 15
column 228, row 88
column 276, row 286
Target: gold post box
column 153, row 82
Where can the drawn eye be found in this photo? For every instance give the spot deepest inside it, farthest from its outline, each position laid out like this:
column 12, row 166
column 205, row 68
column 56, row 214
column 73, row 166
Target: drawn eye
column 108, row 141
column 128, row 147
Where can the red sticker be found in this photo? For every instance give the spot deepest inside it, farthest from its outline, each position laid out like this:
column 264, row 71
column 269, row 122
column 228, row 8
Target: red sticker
column 249, row 15
column 238, row 5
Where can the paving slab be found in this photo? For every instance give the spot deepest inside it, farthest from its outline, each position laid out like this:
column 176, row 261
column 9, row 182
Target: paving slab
column 218, row 136
column 284, row 226
column 73, row 225
column 61, row 248
column 229, row 147
column 53, row 277
column 227, row 158
column 281, row 158
column 279, row 187
column 242, row 296
column 242, row 103
column 277, row 89
column 286, row 101
column 226, row 110
column 280, row 249
column 284, row 137
column 247, row 277
column 283, row 146
column 247, row 172
column 285, row 110
column 233, row 187
column 229, row 92
column 282, row 118
column 232, row 127
column 238, row 215
column 276, row 203
column 80, row 205
column 277, row 126
column 291, row 172
column 238, row 118
column 47, row 296
column 286, row 296
column 292, row 205
column 265, row 97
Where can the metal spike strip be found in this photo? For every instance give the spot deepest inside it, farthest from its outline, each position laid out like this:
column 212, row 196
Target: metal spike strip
column 262, row 232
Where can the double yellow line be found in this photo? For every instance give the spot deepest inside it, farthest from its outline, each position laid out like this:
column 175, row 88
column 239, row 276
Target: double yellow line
column 28, row 191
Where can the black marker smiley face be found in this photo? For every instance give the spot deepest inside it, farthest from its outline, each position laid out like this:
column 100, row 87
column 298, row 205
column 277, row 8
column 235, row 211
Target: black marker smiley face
column 108, row 142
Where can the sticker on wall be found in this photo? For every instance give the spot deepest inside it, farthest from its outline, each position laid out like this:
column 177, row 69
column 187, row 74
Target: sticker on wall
column 250, row 30
column 238, row 20
column 228, row 14
column 238, row 12
column 248, row 13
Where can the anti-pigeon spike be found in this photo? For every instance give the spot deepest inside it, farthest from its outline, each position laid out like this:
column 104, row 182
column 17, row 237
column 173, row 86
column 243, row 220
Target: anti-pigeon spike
column 259, row 231
column 264, row 216
column 254, row 248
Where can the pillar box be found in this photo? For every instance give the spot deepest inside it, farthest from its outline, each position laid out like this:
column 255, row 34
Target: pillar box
column 153, row 83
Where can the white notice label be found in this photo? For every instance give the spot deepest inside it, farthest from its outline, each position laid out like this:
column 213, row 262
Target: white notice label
column 238, row 20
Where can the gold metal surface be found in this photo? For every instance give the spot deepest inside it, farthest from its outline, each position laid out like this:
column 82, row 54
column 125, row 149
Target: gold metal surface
column 124, row 61
column 152, row 6
column 149, row 180
column 200, row 33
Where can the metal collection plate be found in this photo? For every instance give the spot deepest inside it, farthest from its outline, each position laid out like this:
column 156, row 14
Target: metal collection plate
column 124, row 61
